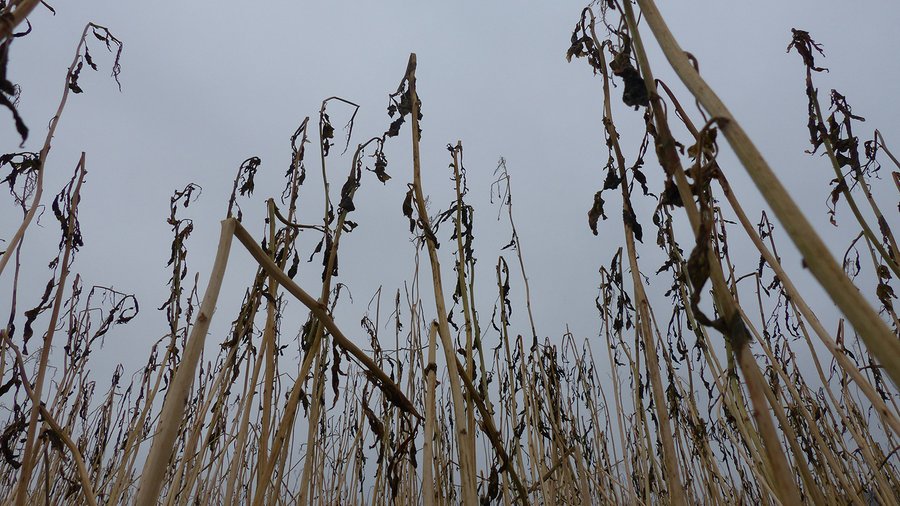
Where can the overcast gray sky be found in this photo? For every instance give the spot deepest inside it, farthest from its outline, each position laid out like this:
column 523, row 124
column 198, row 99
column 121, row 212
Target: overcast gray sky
column 207, row 84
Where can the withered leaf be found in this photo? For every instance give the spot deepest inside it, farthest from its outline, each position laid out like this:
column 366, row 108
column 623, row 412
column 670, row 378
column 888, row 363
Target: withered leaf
column 10, row 433
column 804, row 45
column 698, row 262
column 9, row 384
column 640, row 178
column 839, row 187
column 8, row 92
column 348, row 190
column 670, row 195
column 631, row 219
column 612, row 179
column 635, row 94
column 32, row 314
column 394, row 128
column 380, row 167
column 317, row 249
column 292, row 271
column 73, row 78
column 326, row 132
column 336, row 372
column 596, row 212
column 87, row 57
column 247, row 173
column 884, row 227
column 885, row 293
column 408, row 210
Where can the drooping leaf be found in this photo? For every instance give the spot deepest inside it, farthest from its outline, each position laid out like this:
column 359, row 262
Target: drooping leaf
column 408, row 209
column 8, row 92
column 596, row 212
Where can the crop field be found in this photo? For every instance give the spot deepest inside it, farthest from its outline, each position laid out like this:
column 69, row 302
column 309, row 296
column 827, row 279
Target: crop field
column 738, row 352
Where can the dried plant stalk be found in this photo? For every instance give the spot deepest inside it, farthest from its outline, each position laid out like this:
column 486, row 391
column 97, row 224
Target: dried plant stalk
column 878, row 338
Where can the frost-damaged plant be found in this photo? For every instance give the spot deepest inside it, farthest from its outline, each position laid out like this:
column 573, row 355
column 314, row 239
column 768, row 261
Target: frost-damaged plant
column 25, row 181
column 691, row 189
column 727, row 387
column 12, row 14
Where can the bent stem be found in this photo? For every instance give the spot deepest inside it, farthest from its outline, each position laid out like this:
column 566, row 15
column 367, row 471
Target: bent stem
column 177, row 396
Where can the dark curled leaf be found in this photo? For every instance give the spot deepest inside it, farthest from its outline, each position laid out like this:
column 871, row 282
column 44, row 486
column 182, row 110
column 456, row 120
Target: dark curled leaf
column 429, row 235
column 336, row 372
column 104, row 35
column 327, row 132
column 804, row 45
column 317, row 249
column 21, row 128
column 596, row 212
column 329, row 245
column 11, row 433
column 504, row 287
column 670, row 195
column 88, row 59
column 247, row 173
column 54, row 440
column 9, row 384
column 374, row 423
column 6, row 86
column 381, row 164
column 631, row 219
column 127, row 313
column 885, row 293
column 583, row 46
column 27, row 30
column 444, row 216
column 292, row 270
column 73, row 78
column 394, row 128
column 612, row 179
column 408, row 210
column 635, row 93
column 32, row 314
column 23, row 164
column 843, row 160
column 348, row 190
column 125, row 308
column 577, row 48
column 884, row 227
column 668, row 264
column 8, row 93
column 840, row 186
column 405, row 105
column 65, row 211
column 493, row 489
column 698, row 262
column 452, row 323
column 640, row 178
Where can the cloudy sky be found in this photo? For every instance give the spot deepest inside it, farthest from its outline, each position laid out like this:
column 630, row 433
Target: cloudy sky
column 206, row 85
